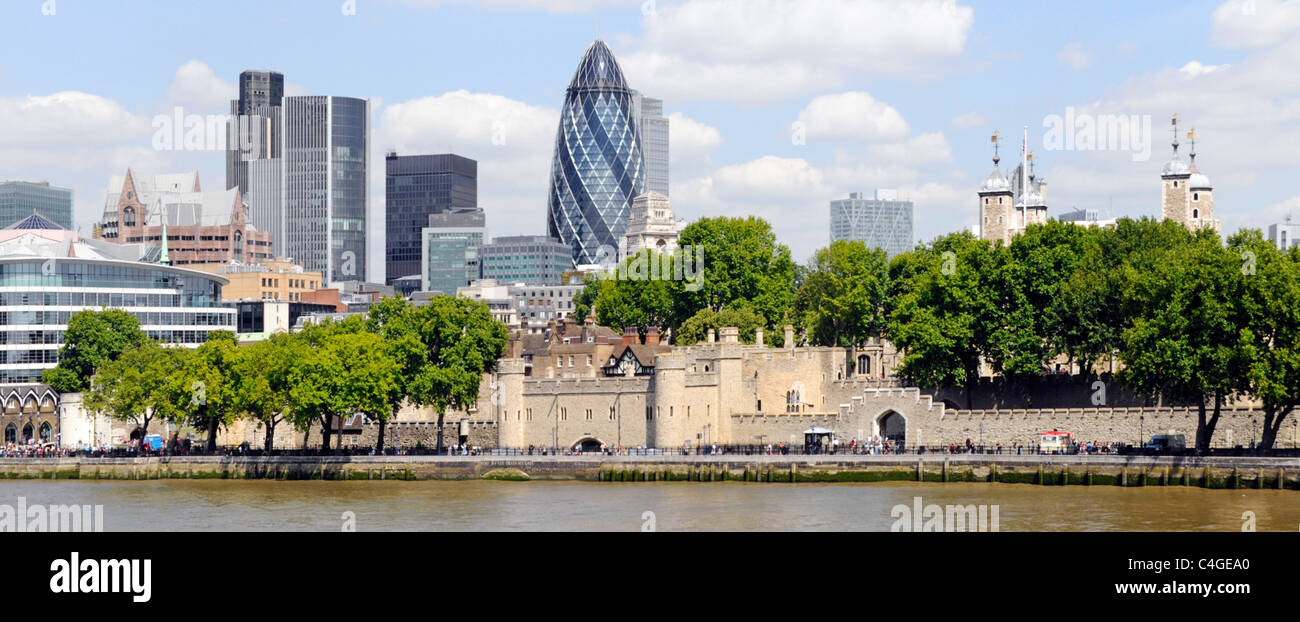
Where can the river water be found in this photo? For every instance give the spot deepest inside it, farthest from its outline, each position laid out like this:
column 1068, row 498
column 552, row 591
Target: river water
column 203, row 505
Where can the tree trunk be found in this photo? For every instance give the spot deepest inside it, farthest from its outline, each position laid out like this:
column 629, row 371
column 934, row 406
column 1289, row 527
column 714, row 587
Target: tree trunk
column 1273, row 420
column 270, row 436
column 1205, row 427
column 325, row 434
column 379, row 447
column 439, row 452
column 212, row 434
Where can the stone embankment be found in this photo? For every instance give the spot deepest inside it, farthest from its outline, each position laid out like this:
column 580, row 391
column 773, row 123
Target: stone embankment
column 1217, row 472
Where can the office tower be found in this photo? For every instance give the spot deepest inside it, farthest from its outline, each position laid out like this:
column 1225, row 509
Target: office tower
column 255, row 132
column 450, row 244
column 326, row 159
column 598, row 168
column 528, row 259
column 883, row 222
column 262, row 204
column 1284, row 234
column 654, row 141
column 415, row 187
column 20, row 199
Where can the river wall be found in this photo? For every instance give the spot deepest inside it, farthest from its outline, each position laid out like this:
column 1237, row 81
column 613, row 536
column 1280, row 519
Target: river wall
column 1213, row 472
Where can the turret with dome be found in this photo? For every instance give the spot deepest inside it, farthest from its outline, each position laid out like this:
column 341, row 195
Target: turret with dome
column 1010, row 204
column 1186, row 195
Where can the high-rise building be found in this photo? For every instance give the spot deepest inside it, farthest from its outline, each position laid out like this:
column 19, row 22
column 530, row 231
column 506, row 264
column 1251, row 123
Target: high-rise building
column 528, row 259
column 598, row 167
column 883, row 222
column 20, row 199
column 256, row 128
column 415, row 187
column 450, row 250
column 1284, row 235
column 263, row 204
column 326, row 204
column 654, row 141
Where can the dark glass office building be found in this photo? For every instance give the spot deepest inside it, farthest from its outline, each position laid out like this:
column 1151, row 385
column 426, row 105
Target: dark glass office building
column 598, row 166
column 256, row 131
column 417, row 186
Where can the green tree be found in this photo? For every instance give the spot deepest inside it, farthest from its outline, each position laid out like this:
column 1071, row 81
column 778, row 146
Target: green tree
column 630, row 298
column 1188, row 347
column 395, row 322
column 695, row 330
column 134, row 387
column 207, row 377
column 263, row 374
column 92, row 338
column 461, row 341
column 348, row 373
column 841, row 302
column 1269, row 317
column 742, row 262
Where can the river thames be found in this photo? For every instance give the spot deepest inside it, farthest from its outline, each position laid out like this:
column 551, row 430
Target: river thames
column 176, row 505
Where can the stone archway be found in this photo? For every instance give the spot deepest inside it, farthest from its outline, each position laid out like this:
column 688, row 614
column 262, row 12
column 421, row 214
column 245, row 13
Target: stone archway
column 588, row 444
column 892, row 425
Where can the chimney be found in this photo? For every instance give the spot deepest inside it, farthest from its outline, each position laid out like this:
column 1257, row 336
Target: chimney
column 630, row 336
column 758, row 336
column 588, row 329
column 730, row 334
column 712, row 337
column 652, row 336
column 789, row 337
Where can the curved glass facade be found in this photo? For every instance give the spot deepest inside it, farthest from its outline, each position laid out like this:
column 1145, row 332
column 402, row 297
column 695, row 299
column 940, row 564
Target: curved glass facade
column 599, row 166
column 37, row 297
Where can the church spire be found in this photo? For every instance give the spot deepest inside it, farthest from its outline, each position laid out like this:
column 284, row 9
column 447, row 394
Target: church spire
column 162, row 257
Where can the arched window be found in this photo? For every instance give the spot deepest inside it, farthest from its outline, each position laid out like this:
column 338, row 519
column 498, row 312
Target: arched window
column 1196, row 196
column 128, row 217
column 864, row 365
column 1196, row 213
column 11, row 434
column 239, row 246
column 27, row 432
column 47, row 433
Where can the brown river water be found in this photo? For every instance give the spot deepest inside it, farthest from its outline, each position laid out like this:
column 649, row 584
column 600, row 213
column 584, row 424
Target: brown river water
column 206, row 505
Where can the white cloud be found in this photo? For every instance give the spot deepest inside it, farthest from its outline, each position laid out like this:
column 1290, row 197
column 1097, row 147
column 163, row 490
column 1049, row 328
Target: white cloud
column 512, row 141
column 1255, row 23
column 768, row 49
column 197, row 87
column 855, row 115
column 551, row 6
column 1195, row 69
column 970, row 120
column 1075, row 57
column 691, row 146
column 68, row 118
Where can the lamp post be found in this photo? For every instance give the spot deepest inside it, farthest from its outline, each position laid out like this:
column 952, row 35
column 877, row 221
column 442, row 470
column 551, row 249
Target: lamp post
column 1142, row 436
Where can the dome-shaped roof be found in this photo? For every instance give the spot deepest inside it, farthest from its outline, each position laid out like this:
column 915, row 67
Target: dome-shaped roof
column 598, row 69
column 996, row 183
column 1033, row 199
column 1199, row 181
column 1175, row 167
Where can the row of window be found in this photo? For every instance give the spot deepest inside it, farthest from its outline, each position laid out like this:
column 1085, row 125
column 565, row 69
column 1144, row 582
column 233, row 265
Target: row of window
column 11, row 433
column 152, row 318
column 87, row 299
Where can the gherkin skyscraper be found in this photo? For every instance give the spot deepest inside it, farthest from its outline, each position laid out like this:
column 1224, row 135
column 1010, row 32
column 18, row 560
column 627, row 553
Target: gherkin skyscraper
column 599, row 166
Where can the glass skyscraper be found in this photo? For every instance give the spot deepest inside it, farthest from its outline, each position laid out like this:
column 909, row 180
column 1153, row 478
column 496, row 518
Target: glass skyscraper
column 326, row 159
column 654, row 142
column 20, row 199
column 415, row 187
column 599, row 166
column 884, row 222
column 528, row 259
column 450, row 247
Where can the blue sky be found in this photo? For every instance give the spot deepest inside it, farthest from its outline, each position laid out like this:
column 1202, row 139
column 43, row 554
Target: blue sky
column 891, row 94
